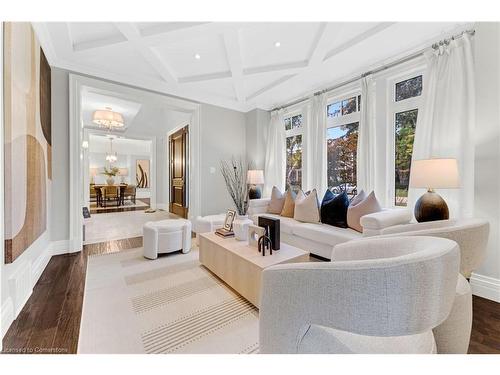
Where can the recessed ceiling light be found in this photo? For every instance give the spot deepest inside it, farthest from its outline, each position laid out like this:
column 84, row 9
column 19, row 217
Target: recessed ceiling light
column 197, row 56
column 277, row 44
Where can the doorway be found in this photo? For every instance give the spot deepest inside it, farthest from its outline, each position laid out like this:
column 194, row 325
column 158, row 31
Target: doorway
column 178, row 156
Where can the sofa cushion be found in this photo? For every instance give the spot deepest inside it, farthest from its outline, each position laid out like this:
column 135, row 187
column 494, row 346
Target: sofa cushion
column 355, row 212
column 358, row 198
column 324, row 233
column 286, row 223
column 306, row 207
column 328, row 196
column 289, row 206
column 334, row 212
column 277, row 201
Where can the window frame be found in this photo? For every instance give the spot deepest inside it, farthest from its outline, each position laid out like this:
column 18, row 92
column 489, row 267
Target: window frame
column 335, row 122
column 291, row 112
column 394, row 107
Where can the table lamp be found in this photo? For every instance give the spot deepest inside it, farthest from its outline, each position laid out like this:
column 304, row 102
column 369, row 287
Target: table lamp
column 432, row 174
column 93, row 173
column 255, row 177
column 123, row 172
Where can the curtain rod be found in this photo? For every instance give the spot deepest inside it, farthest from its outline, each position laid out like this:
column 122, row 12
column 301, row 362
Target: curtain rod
column 379, row 69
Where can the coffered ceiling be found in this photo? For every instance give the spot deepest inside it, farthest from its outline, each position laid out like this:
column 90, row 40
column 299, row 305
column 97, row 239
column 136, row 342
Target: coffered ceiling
column 235, row 65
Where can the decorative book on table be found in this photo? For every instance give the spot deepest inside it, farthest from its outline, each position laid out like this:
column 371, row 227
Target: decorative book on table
column 222, row 232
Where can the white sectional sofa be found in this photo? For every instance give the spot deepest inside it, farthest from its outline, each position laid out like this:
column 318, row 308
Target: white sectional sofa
column 320, row 239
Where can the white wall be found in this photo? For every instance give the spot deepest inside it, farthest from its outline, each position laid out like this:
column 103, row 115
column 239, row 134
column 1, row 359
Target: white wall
column 222, row 137
column 60, row 153
column 256, row 124
column 486, row 280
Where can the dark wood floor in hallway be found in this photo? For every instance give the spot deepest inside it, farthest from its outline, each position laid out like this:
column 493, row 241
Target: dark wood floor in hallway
column 50, row 320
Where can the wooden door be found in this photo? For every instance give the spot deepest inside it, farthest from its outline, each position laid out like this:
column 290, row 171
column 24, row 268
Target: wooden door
column 178, row 156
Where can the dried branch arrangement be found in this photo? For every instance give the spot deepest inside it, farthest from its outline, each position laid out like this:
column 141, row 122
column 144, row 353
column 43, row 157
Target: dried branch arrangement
column 235, row 175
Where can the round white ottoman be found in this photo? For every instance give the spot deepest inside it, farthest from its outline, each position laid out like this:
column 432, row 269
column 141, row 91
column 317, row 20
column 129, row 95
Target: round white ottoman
column 166, row 236
column 209, row 223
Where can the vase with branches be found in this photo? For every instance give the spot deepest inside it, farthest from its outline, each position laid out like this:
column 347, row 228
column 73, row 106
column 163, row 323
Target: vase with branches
column 235, row 175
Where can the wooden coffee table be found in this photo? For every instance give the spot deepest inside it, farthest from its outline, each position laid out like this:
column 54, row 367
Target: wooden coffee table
column 240, row 266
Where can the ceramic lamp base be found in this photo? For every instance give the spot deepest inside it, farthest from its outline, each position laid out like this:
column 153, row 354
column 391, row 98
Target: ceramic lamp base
column 254, row 192
column 431, row 207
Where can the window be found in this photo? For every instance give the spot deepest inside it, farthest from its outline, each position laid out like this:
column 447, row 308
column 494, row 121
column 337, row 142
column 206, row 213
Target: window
column 341, row 150
column 405, row 124
column 344, row 107
column 293, row 131
column 405, row 112
column 409, row 88
column 342, row 143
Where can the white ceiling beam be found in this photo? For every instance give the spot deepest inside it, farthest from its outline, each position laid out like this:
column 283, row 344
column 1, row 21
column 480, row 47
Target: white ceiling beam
column 269, row 86
column 167, row 27
column 99, row 43
column 318, row 51
column 358, row 39
column 295, row 66
column 235, row 62
column 193, row 32
column 325, row 36
column 133, row 35
column 204, row 77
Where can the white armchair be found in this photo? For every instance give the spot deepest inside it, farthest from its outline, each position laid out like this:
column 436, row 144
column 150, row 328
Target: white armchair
column 471, row 235
column 379, row 295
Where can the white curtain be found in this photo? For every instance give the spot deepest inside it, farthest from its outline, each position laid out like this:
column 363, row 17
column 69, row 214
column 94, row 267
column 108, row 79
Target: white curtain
column 366, row 137
column 316, row 127
column 446, row 120
column 275, row 163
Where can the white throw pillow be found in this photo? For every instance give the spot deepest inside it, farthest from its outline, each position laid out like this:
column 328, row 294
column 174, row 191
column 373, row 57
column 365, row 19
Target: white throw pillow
column 306, row 207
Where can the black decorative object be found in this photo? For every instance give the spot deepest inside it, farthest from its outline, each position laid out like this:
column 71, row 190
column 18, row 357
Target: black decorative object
column 431, row 207
column 254, row 192
column 334, row 211
column 264, row 244
column 86, row 212
column 272, row 230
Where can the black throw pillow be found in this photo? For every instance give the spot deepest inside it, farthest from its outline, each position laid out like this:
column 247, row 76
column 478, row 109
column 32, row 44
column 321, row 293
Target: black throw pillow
column 334, row 211
column 327, row 197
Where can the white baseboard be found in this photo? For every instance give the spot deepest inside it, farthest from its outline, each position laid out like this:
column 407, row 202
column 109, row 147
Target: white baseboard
column 60, row 247
column 38, row 266
column 485, row 286
column 7, row 316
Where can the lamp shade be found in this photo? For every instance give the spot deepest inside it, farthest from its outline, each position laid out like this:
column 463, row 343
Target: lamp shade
column 255, row 177
column 123, row 172
column 93, row 172
column 434, row 173
column 108, row 119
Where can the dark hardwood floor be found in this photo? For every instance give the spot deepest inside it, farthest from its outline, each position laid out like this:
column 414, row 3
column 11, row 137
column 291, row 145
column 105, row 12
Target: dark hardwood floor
column 50, row 320
column 113, row 208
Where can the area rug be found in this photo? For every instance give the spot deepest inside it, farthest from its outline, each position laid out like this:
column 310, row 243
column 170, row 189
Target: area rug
column 117, row 225
column 168, row 305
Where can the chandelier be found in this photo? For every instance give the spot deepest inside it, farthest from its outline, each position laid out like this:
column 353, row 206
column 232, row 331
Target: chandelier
column 108, row 119
column 110, row 156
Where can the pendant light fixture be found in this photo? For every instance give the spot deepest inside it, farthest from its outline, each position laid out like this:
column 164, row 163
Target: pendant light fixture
column 108, row 119
column 111, row 157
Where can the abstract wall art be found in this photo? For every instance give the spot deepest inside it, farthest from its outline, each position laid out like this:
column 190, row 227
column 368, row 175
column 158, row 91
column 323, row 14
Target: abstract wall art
column 142, row 173
column 27, row 109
